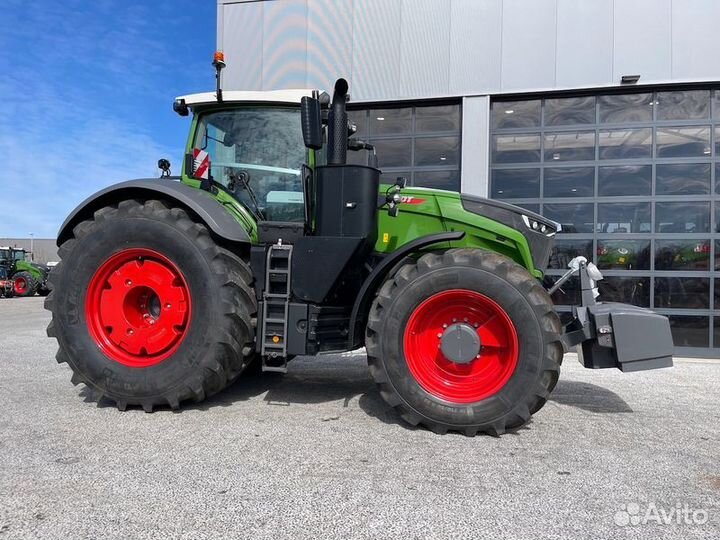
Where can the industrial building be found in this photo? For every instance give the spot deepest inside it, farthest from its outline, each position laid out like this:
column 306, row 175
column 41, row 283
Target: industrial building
column 602, row 115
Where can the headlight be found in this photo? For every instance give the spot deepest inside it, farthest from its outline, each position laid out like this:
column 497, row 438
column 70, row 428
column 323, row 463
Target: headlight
column 538, row 226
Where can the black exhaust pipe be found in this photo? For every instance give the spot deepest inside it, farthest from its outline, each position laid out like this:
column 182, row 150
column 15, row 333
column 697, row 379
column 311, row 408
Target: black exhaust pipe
column 338, row 125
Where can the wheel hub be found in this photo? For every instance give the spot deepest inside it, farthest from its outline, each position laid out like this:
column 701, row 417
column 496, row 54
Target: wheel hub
column 460, row 343
column 138, row 307
column 21, row 285
column 460, row 346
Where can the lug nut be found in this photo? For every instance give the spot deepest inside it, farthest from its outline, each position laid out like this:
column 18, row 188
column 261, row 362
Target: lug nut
column 128, row 282
column 130, row 331
column 439, row 335
column 444, row 325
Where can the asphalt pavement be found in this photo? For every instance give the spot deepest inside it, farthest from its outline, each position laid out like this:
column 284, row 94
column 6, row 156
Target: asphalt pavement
column 317, row 454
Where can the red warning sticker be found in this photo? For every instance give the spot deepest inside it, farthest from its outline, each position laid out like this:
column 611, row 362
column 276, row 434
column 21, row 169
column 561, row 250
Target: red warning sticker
column 201, row 164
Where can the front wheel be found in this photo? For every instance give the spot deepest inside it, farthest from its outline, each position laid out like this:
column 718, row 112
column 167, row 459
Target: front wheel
column 466, row 340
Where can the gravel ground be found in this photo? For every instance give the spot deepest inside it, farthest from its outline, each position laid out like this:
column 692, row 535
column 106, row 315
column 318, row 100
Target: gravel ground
column 317, row 454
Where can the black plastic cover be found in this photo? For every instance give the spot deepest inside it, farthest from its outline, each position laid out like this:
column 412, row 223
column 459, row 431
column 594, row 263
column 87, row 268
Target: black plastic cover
column 346, row 199
column 540, row 244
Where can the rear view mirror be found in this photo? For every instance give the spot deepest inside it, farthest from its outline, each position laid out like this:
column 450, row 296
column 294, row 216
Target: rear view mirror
column 311, row 122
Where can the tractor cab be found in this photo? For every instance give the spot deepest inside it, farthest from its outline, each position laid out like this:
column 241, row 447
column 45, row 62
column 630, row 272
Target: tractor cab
column 313, row 215
column 250, row 147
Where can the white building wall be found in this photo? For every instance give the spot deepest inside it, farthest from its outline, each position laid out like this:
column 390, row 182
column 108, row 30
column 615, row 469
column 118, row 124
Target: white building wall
column 413, row 49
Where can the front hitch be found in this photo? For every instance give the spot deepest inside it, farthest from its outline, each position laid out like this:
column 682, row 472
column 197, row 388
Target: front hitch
column 611, row 334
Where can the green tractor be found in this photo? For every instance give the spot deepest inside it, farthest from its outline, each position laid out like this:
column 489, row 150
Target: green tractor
column 28, row 277
column 269, row 246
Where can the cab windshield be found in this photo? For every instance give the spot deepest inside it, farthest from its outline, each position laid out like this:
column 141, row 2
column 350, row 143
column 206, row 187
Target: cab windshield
column 262, row 146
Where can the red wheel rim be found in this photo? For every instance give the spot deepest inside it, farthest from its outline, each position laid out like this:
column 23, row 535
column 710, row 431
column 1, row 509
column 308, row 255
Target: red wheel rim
column 138, row 307
column 21, row 285
column 469, row 382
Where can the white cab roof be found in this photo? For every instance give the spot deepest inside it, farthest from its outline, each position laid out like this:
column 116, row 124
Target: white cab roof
column 235, row 96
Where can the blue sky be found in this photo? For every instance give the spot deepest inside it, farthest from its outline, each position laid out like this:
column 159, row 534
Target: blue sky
column 86, row 94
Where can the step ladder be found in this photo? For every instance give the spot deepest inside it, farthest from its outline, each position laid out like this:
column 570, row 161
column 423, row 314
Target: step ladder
column 276, row 298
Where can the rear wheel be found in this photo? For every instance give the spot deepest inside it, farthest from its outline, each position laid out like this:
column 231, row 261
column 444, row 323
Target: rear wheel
column 148, row 310
column 24, row 284
column 465, row 340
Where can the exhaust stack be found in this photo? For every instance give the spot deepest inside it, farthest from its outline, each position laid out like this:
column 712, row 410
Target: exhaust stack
column 338, row 125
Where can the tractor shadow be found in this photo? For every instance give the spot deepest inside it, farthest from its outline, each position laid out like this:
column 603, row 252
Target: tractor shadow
column 589, row 397
column 308, row 381
column 315, row 380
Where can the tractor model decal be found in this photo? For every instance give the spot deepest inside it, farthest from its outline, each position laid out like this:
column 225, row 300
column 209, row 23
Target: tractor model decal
column 409, row 199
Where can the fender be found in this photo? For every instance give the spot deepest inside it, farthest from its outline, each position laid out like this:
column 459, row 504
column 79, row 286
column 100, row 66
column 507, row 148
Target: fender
column 380, row 272
column 198, row 202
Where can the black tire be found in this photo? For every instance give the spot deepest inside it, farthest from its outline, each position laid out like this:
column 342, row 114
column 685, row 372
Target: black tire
column 43, row 291
column 511, row 287
column 31, row 284
column 219, row 337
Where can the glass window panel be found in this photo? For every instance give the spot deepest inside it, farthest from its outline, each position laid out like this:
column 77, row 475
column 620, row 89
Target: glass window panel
column 716, row 331
column 565, row 250
column 357, row 158
column 390, row 177
column 625, row 143
column 568, row 294
column 716, row 114
column 515, row 148
column 682, row 255
column 573, row 146
column 683, row 142
column 682, row 178
column 390, row 121
column 569, row 182
column 516, row 183
column 682, row 292
column 690, row 331
column 717, row 263
column 440, row 118
column 717, row 177
column 533, row 207
column 683, row 105
column 625, row 180
column 449, row 180
column 628, row 290
column 393, row 152
column 438, row 151
column 716, row 304
column 623, row 254
column 717, row 139
column 574, row 218
column 515, row 114
column 359, row 118
column 624, row 218
column 621, row 109
column 570, row 111
column 682, row 217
